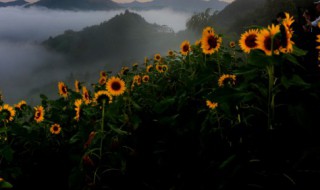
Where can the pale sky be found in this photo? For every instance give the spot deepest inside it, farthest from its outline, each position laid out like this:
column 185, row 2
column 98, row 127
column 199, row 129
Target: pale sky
column 118, row 1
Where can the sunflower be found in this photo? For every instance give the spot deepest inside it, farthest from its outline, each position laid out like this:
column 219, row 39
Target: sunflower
column 103, row 74
column 116, row 86
column 157, row 57
column 207, row 30
column 159, row 68
column 211, row 105
column 185, row 47
column 77, row 104
column 171, row 53
column 287, row 22
column 232, row 44
column 266, row 40
column 55, row 129
column 198, row 43
column 135, row 65
column 8, row 112
column 210, row 43
column 102, row 80
column 247, row 40
column 63, row 90
column 20, row 105
column 124, row 70
column 164, row 68
column 231, row 79
column 137, row 80
column 85, row 95
column 286, row 34
column 149, row 68
column 39, row 114
column 145, row 78
column 102, row 95
column 77, row 85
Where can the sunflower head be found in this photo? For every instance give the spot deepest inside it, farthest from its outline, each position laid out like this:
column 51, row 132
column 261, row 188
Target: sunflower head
column 159, row 68
column 210, row 43
column 39, row 114
column 185, row 47
column 248, row 39
column 211, row 105
column 85, row 95
column 207, row 30
column 103, row 74
column 232, row 44
column 145, row 78
column 102, row 80
column 116, row 86
column 268, row 39
column 137, row 80
column 157, row 57
column 77, row 108
column 227, row 79
column 149, row 68
column 7, row 113
column 55, row 129
column 22, row 104
column 102, row 95
column 63, row 90
column 77, row 86
column 171, row 53
column 124, row 70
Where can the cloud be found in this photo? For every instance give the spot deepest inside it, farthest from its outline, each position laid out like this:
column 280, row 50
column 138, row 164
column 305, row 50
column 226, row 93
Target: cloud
column 174, row 19
column 25, row 65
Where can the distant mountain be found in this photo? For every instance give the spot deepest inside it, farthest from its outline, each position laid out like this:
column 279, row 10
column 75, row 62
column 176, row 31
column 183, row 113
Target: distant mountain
column 14, row 3
column 77, row 4
column 181, row 5
column 127, row 36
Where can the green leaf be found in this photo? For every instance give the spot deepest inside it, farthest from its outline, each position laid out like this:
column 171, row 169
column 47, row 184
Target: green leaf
column 5, row 185
column 163, row 105
column 294, row 81
column 117, row 130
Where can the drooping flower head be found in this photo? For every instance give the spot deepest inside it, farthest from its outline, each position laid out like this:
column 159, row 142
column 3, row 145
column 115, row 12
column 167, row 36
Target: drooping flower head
column 226, row 79
column 248, row 39
column 116, row 86
column 39, row 114
column 102, row 95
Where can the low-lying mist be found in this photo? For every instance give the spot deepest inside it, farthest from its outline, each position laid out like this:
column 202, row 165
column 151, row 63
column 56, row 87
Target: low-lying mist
column 24, row 61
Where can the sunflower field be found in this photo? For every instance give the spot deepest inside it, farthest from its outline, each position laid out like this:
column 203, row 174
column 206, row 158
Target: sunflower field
column 207, row 116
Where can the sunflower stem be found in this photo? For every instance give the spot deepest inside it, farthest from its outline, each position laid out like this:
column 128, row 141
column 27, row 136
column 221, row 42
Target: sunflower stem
column 270, row 69
column 102, row 126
